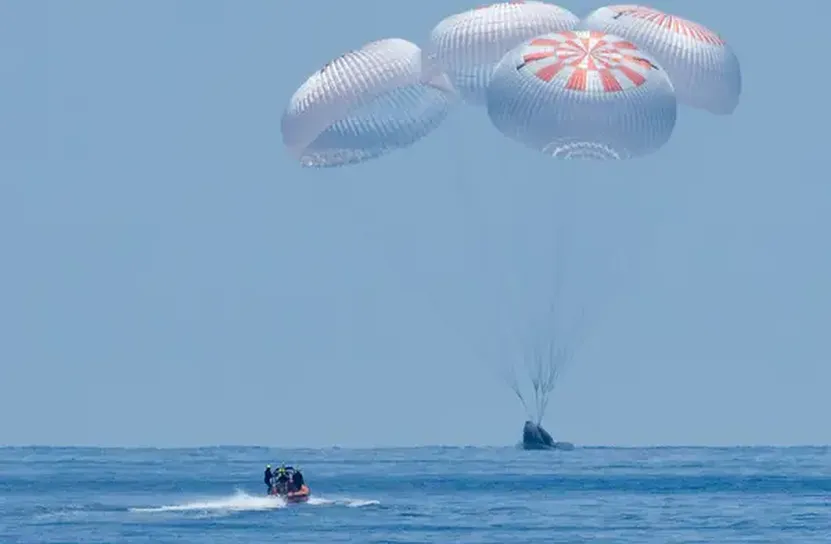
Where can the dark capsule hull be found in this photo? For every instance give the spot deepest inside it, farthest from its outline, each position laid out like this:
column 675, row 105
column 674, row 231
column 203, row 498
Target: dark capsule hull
column 534, row 437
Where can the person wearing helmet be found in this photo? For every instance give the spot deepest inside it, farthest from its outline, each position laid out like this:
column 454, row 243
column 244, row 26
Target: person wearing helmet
column 268, row 478
column 282, row 482
column 297, row 480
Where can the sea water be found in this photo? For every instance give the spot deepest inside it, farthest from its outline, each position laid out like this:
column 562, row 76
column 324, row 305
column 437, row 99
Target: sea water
column 419, row 495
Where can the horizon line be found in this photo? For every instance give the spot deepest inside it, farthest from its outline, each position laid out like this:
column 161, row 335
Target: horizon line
column 337, row 447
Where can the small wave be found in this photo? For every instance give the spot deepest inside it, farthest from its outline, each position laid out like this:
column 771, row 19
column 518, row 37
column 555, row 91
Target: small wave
column 350, row 503
column 239, row 502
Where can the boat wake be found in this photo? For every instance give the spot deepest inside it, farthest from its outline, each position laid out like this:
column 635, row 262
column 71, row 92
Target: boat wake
column 238, row 502
column 243, row 502
column 351, row 503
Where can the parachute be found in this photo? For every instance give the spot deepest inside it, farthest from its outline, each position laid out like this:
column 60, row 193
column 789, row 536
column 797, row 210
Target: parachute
column 604, row 87
column 467, row 46
column 364, row 104
column 582, row 94
column 702, row 67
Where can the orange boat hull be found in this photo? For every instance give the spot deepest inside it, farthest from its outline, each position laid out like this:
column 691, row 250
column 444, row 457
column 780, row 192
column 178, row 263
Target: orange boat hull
column 301, row 495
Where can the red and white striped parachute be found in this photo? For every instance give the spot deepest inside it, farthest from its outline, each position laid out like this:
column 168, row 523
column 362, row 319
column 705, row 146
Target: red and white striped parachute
column 702, row 67
column 582, row 94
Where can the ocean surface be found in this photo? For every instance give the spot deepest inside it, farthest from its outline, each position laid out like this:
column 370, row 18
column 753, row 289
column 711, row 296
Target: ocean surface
column 418, row 495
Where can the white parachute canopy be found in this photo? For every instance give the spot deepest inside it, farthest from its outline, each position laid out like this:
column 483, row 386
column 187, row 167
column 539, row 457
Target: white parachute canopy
column 582, row 94
column 467, row 46
column 702, row 67
column 365, row 104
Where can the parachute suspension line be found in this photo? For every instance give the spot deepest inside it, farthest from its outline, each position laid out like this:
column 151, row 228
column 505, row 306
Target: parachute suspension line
column 514, row 385
column 483, row 235
column 485, row 241
column 552, row 347
column 546, row 365
column 558, row 343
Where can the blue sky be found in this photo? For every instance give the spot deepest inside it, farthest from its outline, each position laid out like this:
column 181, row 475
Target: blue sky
column 170, row 277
